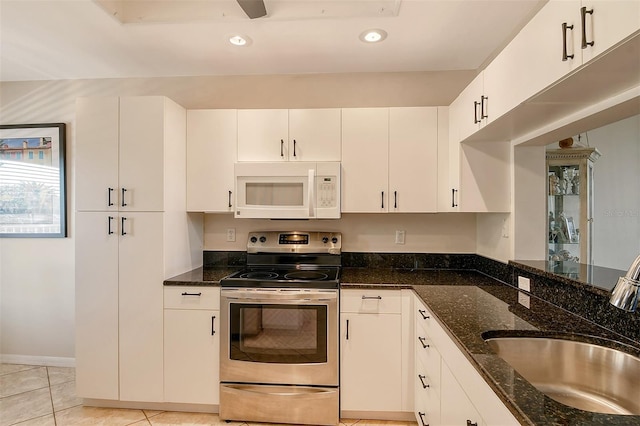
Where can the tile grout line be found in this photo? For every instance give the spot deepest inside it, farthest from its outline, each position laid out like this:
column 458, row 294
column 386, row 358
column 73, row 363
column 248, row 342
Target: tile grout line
column 53, row 409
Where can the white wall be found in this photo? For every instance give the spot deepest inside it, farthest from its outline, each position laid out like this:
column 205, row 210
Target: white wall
column 616, row 215
column 37, row 275
column 425, row 233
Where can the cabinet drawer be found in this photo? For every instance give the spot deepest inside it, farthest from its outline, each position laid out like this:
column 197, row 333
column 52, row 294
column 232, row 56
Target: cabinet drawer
column 428, row 356
column 371, row 301
column 181, row 297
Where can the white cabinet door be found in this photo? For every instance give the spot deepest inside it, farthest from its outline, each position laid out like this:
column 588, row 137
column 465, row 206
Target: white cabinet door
column 465, row 112
column 365, row 166
column 371, row 358
column 455, row 406
column 611, row 22
column 141, row 153
column 413, row 159
column 263, row 134
column 211, row 153
column 314, row 134
column 192, row 356
column 141, row 306
column 534, row 58
column 96, row 162
column 96, row 305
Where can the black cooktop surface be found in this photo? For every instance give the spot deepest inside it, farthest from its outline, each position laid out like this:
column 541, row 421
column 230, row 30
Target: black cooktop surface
column 284, row 276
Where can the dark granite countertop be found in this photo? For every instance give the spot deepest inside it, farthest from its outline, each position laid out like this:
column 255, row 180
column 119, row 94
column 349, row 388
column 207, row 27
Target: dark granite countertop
column 468, row 304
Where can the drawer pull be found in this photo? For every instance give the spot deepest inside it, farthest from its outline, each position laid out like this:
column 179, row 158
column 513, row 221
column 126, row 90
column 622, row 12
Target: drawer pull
column 191, row 294
column 423, row 312
column 422, row 415
column 424, row 385
column 469, row 423
column 422, row 341
column 371, row 297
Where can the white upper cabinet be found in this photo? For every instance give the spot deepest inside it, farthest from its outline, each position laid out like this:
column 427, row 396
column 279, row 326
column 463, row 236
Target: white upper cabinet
column 211, row 153
column 607, row 22
column 413, row 159
column 289, row 135
column 314, row 134
column 465, row 112
column 365, row 165
column 120, row 163
column 97, row 127
column 561, row 38
column 389, row 159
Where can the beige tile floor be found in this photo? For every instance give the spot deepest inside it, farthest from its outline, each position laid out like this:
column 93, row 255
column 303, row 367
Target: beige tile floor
column 45, row 396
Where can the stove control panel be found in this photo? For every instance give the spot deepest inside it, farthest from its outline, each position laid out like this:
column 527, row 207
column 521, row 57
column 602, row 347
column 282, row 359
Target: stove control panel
column 294, row 242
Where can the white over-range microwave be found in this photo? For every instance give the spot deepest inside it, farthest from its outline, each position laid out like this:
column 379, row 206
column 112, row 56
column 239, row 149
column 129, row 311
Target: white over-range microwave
column 296, row 190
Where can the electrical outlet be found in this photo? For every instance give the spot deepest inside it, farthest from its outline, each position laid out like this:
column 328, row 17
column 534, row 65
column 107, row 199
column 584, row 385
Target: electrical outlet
column 231, row 235
column 524, row 284
column 505, row 229
column 400, row 237
column 524, row 300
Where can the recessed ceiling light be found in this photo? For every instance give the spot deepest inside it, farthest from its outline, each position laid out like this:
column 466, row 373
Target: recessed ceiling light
column 239, row 40
column 373, row 36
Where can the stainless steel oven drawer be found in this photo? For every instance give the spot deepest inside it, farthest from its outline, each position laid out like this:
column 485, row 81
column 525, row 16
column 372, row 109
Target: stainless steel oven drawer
column 279, row 404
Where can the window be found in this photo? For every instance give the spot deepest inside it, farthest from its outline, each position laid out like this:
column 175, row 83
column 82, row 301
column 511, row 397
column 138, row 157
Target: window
column 30, row 155
column 18, row 156
column 41, row 155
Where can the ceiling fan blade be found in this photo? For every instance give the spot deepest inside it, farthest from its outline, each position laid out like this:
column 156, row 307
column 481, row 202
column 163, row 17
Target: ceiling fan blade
column 253, row 8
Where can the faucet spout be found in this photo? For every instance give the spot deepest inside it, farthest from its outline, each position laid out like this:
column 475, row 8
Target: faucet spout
column 625, row 294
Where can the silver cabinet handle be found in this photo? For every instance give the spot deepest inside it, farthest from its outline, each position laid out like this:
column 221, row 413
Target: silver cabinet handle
column 423, row 312
column 583, row 13
column 565, row 27
column 421, row 377
column 422, row 341
column 371, row 297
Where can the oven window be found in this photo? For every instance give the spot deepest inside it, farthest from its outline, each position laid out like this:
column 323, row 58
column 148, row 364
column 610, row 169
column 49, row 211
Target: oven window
column 281, row 334
column 275, row 194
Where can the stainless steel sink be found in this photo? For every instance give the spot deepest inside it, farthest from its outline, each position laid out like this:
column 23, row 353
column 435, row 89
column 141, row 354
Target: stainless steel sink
column 582, row 375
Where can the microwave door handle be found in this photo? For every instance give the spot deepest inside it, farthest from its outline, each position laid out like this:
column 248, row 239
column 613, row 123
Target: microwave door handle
column 312, row 192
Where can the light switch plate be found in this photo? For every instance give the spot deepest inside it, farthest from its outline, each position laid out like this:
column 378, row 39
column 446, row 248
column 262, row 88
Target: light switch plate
column 524, row 299
column 400, row 237
column 231, row 235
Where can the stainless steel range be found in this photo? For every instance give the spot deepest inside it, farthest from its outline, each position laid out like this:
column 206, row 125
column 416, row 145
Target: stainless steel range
column 279, row 341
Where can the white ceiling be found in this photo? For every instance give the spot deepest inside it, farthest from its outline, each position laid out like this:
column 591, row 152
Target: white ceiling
column 82, row 39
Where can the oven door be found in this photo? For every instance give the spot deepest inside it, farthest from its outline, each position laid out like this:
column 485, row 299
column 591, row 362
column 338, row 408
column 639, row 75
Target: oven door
column 279, row 336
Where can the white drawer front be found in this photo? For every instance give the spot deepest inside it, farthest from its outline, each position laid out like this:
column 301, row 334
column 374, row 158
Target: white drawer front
column 371, row 301
column 182, row 297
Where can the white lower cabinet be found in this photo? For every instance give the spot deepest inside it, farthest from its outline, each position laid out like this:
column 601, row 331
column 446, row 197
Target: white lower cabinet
column 448, row 389
column 455, row 406
column 192, row 345
column 371, row 351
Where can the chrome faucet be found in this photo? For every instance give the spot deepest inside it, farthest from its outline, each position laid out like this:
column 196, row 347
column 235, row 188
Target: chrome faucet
column 625, row 294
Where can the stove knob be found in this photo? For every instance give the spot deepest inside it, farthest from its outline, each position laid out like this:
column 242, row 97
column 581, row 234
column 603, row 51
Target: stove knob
column 325, row 240
column 263, row 239
column 253, row 239
column 334, row 240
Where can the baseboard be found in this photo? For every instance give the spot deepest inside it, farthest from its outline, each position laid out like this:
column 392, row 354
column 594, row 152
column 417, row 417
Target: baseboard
column 47, row 361
column 161, row 406
column 401, row 416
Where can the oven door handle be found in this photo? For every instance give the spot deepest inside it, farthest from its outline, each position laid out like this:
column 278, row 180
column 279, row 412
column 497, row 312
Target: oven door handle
column 280, row 299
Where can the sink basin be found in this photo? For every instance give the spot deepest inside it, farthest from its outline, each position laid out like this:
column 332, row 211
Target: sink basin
column 582, row 375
